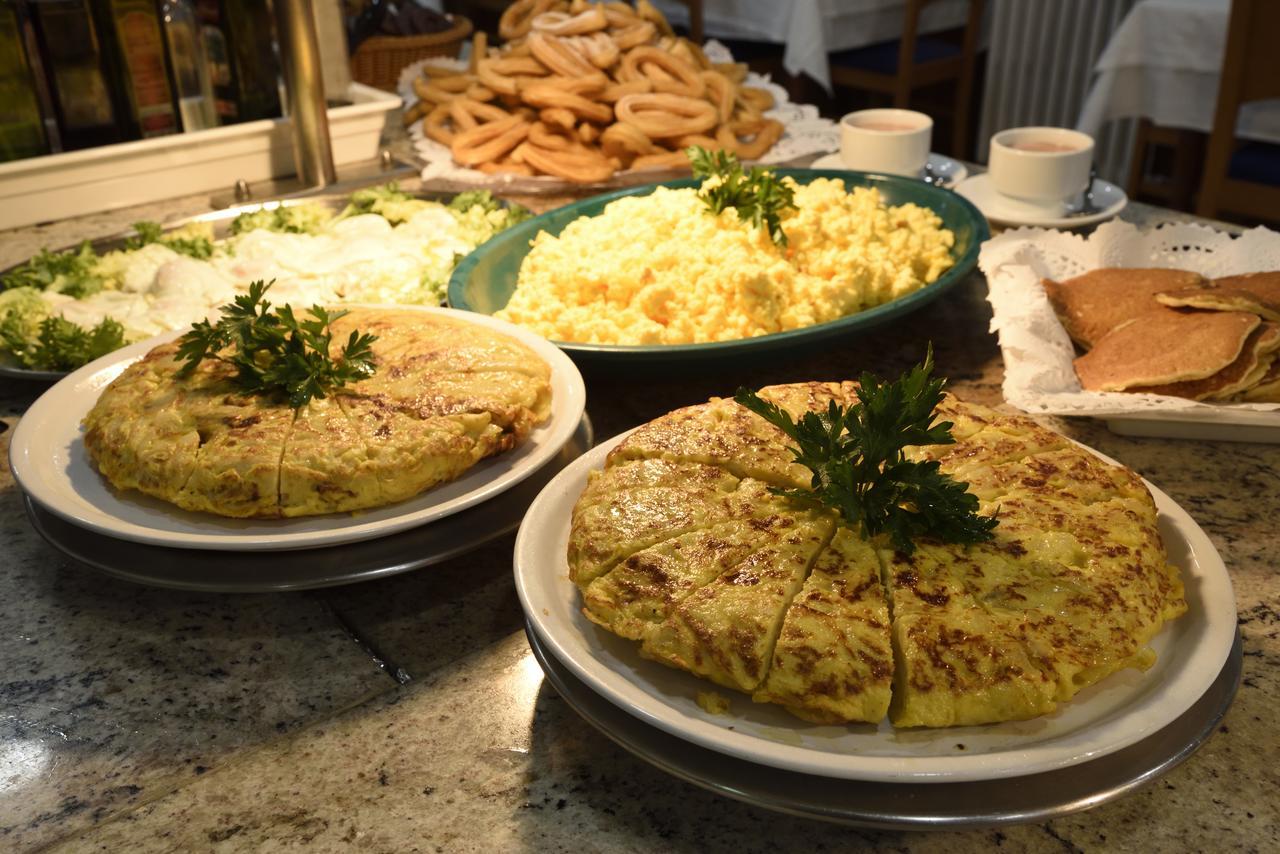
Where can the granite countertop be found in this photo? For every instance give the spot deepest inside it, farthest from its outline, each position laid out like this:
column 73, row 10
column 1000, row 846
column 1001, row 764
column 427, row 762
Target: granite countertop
column 408, row 714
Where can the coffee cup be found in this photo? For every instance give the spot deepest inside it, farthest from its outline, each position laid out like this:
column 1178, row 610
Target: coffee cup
column 1042, row 166
column 895, row 142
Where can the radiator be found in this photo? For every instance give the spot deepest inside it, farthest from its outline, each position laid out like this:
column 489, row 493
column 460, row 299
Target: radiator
column 1040, row 66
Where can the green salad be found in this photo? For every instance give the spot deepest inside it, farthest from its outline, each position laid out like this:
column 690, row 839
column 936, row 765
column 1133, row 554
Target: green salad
column 60, row 310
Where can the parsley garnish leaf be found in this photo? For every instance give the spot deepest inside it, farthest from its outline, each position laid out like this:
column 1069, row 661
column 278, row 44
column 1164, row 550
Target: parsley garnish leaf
column 277, row 353
column 860, row 470
column 759, row 196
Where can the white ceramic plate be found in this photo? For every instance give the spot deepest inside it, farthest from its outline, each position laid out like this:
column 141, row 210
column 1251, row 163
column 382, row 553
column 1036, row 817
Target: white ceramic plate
column 978, row 189
column 948, row 172
column 1119, row 711
column 1229, row 425
column 50, row 463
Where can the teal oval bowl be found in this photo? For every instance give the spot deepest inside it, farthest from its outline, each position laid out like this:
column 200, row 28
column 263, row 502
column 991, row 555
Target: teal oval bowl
column 484, row 281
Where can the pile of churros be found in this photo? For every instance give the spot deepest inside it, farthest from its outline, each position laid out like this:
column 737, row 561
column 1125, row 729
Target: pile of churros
column 582, row 90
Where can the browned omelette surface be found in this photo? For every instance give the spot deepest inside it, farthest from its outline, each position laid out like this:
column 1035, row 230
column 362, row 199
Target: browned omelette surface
column 678, row 543
column 446, row 394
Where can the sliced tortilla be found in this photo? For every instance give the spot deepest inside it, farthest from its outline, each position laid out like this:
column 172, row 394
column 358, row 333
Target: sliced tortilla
column 1165, row 346
column 1254, row 292
column 1091, row 305
column 1249, row 367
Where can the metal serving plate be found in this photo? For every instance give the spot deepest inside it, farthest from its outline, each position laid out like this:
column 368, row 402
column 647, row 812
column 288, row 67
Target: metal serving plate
column 260, row 572
column 221, row 222
column 906, row 806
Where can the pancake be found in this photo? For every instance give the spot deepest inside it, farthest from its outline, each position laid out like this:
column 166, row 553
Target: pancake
column 672, row 545
column 1246, row 371
column 1165, row 346
column 1095, row 303
column 1258, row 293
column 434, row 408
column 1267, row 389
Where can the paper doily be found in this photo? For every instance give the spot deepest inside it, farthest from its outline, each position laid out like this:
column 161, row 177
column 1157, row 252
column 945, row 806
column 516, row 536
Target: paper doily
column 1039, row 376
column 804, row 133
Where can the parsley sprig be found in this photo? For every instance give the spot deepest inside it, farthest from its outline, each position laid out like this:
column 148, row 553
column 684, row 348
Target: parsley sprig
column 759, row 196
column 275, row 352
column 859, row 469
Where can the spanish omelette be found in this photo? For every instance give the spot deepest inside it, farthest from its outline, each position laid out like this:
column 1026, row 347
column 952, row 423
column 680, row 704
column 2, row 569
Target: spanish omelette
column 679, row 544
column 446, row 394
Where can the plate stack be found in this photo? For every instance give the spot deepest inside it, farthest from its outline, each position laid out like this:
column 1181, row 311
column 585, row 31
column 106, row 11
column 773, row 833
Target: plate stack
column 149, row 541
column 1108, row 740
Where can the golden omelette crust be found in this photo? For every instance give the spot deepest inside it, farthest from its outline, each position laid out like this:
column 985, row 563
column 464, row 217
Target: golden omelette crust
column 446, row 395
column 678, row 544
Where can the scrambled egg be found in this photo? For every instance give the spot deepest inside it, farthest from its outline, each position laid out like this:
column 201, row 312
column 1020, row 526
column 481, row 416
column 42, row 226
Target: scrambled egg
column 663, row 269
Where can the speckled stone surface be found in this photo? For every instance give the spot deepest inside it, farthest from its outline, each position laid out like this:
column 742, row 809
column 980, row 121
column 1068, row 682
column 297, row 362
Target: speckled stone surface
column 140, row 720
column 113, row 694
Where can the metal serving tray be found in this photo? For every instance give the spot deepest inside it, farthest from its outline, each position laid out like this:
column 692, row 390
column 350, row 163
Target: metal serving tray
column 911, row 806
column 221, row 222
column 259, row 572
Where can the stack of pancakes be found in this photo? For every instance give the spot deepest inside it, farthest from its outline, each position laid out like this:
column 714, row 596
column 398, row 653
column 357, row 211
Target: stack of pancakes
column 1174, row 332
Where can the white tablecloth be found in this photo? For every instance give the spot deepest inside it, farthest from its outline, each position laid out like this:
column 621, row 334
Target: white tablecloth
column 811, row 29
column 1163, row 64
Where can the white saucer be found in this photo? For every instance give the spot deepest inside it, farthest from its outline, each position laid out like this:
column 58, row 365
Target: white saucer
column 1109, row 198
column 948, row 172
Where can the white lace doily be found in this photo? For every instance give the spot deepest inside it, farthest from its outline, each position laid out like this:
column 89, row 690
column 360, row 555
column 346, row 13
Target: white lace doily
column 1039, row 376
column 804, row 133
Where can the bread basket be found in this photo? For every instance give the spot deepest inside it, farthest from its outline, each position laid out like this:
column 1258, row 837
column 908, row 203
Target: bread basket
column 378, row 59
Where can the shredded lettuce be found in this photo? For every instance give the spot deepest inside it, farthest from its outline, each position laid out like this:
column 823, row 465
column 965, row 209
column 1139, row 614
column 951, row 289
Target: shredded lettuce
column 194, row 239
column 387, row 201
column 481, row 216
column 71, row 272
column 42, row 341
column 33, row 333
column 306, row 218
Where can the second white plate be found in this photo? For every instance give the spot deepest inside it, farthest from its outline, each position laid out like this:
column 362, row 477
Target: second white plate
column 1108, row 198
column 1117, row 712
column 50, row 463
column 946, row 171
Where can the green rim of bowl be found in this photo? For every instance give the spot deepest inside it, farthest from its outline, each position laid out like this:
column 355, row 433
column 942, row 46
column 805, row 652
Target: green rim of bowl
column 957, row 213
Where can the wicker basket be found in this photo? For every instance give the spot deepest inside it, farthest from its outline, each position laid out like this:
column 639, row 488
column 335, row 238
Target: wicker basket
column 378, row 60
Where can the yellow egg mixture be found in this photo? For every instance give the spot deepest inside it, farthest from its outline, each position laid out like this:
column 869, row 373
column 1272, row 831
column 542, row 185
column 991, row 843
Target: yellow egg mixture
column 663, row 269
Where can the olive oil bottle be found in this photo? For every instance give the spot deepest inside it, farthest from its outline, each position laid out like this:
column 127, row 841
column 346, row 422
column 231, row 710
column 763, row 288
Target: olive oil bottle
column 191, row 73
column 22, row 132
column 238, row 44
column 87, row 108
column 141, row 65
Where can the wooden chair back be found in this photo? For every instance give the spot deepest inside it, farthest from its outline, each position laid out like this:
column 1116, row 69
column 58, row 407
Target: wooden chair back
column 912, row 75
column 1250, row 72
column 695, row 20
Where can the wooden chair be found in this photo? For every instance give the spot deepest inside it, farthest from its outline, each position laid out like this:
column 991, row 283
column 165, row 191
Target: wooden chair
column 1250, row 72
column 914, row 61
column 1176, row 187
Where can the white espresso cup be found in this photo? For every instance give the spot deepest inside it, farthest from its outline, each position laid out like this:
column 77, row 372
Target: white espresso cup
column 895, row 142
column 1042, row 166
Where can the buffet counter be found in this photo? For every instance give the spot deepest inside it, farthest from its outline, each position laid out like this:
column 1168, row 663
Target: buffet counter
column 410, row 714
